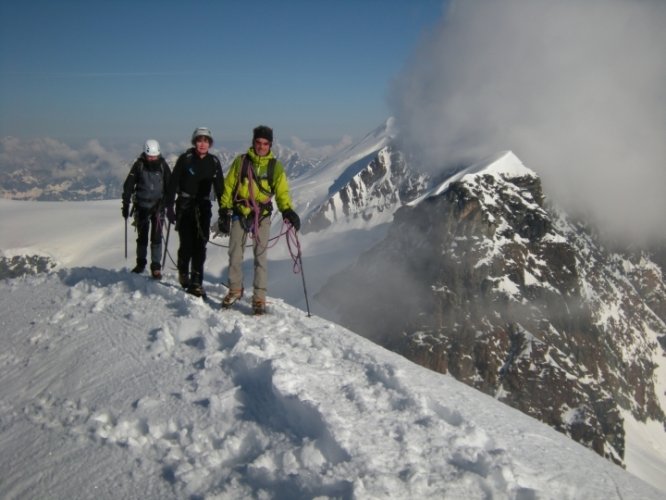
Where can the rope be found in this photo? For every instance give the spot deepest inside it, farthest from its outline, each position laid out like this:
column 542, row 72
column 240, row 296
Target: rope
column 255, row 208
column 287, row 230
column 293, row 244
column 166, row 251
column 292, row 239
column 289, row 233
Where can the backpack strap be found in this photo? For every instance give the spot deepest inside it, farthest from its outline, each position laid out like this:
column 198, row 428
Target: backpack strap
column 137, row 178
column 246, row 166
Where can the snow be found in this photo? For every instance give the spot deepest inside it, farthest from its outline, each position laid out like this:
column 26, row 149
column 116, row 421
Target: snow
column 177, row 399
column 645, row 446
column 312, row 189
column 117, row 386
column 505, row 164
column 505, row 285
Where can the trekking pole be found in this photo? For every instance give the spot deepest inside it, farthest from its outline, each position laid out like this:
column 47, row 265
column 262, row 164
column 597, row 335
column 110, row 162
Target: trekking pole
column 166, row 245
column 305, row 290
column 130, row 215
column 125, row 238
column 300, row 265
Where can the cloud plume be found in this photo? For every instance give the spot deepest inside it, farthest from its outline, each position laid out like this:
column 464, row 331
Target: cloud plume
column 576, row 88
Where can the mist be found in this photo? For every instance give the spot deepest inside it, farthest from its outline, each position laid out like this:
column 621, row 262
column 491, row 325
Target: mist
column 575, row 88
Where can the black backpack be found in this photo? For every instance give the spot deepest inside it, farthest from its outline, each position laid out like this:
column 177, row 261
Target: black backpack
column 149, row 187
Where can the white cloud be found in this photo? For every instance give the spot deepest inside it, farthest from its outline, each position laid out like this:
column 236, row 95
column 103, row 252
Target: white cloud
column 54, row 158
column 574, row 88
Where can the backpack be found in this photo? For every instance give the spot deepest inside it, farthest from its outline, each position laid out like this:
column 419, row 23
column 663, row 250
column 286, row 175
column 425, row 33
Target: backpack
column 149, row 187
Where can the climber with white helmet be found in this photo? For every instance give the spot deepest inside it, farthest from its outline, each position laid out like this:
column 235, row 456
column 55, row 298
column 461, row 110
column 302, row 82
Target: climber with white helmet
column 145, row 187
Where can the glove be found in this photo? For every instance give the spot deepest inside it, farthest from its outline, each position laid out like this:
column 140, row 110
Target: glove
column 171, row 215
column 125, row 210
column 292, row 218
column 224, row 221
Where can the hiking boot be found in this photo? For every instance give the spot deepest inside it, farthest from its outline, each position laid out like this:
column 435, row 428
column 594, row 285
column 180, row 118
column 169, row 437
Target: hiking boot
column 183, row 279
column 156, row 271
column 196, row 289
column 139, row 268
column 258, row 306
column 232, row 297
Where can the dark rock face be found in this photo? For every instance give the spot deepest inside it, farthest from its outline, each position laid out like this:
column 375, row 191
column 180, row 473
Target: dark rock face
column 484, row 282
column 21, row 265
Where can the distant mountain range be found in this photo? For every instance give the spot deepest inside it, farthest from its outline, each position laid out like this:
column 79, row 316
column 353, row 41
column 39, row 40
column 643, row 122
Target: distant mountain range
column 96, row 176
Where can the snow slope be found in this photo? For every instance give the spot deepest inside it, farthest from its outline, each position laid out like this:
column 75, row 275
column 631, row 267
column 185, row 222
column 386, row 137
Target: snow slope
column 116, row 386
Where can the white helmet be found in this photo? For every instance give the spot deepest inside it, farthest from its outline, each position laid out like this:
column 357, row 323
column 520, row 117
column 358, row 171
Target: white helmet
column 201, row 131
column 151, row 148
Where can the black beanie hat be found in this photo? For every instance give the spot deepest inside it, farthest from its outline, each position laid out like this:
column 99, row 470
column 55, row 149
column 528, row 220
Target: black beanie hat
column 263, row 132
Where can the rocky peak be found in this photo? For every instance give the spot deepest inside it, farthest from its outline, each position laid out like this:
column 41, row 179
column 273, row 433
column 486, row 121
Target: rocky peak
column 480, row 279
column 377, row 184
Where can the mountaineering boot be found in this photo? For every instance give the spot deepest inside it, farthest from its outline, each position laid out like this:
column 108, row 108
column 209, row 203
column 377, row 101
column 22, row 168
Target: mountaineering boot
column 258, row 305
column 183, row 279
column 231, row 297
column 195, row 287
column 140, row 266
column 197, row 290
column 156, row 271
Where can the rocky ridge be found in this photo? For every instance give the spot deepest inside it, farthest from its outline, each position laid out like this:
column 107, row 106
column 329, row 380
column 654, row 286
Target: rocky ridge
column 481, row 279
column 377, row 184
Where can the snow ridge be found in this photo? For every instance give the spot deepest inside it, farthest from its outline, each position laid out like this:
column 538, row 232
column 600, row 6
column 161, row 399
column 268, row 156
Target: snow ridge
column 188, row 400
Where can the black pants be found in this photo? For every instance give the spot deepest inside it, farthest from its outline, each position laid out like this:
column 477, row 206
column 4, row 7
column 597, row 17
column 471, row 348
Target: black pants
column 193, row 226
column 148, row 226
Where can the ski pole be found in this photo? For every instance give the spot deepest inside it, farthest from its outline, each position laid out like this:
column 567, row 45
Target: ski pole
column 166, row 245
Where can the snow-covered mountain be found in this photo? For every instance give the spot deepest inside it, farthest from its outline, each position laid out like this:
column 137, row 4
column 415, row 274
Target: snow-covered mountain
column 376, row 181
column 117, row 386
column 373, row 187
column 311, row 192
column 480, row 279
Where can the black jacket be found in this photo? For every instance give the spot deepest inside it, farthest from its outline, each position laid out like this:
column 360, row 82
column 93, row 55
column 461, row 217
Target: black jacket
column 193, row 178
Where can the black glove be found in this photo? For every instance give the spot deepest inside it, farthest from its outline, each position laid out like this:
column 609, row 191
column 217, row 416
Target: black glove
column 171, row 215
column 125, row 210
column 224, row 221
column 292, row 218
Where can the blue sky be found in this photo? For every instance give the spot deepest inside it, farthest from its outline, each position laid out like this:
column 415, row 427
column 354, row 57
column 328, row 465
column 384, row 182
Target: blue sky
column 115, row 70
